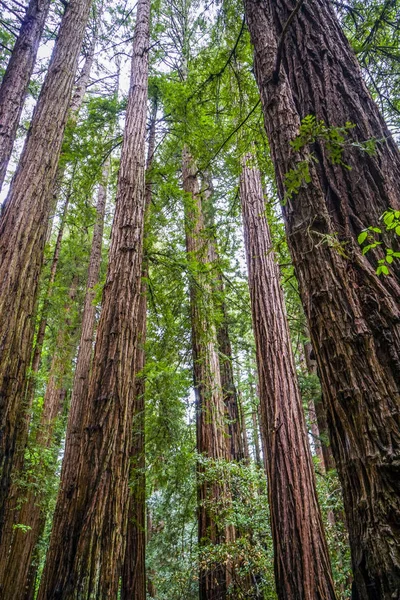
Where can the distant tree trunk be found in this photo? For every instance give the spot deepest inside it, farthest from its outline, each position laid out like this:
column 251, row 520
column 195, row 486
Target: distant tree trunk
column 133, row 580
column 84, row 559
column 235, row 441
column 243, row 428
column 151, row 590
column 210, row 409
column 23, row 226
column 14, row 579
column 353, row 315
column 256, row 439
column 16, row 79
column 327, row 461
column 236, row 450
column 302, row 568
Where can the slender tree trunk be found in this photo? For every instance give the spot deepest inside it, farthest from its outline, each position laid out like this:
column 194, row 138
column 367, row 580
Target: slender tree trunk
column 84, row 559
column 235, row 450
column 302, row 568
column 133, row 580
column 23, row 230
column 151, row 590
column 16, row 79
column 353, row 315
column 256, row 439
column 210, row 408
column 243, row 428
column 32, row 513
column 312, row 413
column 327, row 460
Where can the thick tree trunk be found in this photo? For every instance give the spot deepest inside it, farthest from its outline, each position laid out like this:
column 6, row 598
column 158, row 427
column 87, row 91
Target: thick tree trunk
column 353, row 315
column 87, row 542
column 23, row 226
column 302, row 568
column 210, row 408
column 17, row 76
column 133, row 580
column 14, row 578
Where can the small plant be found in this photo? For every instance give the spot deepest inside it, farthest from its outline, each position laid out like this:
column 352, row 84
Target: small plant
column 370, row 236
column 335, row 141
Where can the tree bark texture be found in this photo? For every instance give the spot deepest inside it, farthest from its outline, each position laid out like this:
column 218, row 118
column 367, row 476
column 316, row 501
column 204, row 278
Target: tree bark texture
column 87, row 542
column 14, row 577
column 23, row 226
column 210, row 408
column 133, row 579
column 353, row 315
column 16, row 79
column 302, row 567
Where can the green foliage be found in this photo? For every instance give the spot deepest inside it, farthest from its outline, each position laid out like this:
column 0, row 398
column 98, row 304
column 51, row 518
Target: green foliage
column 369, row 236
column 335, row 140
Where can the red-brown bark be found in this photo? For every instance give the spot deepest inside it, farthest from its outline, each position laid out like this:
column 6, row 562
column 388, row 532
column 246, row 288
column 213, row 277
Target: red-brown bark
column 16, row 79
column 302, row 567
column 87, row 542
column 133, row 579
column 353, row 315
column 23, row 226
column 210, row 408
column 14, row 577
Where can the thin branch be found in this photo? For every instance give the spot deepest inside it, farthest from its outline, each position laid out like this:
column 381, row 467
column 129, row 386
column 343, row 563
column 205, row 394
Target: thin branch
column 232, row 134
column 275, row 75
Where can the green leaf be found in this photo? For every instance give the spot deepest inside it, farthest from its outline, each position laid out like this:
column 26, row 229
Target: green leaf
column 362, row 237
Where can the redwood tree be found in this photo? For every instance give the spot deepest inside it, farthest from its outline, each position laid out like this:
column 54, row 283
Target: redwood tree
column 353, row 314
column 87, row 541
column 210, row 408
column 16, row 79
column 133, row 579
column 302, row 568
column 23, row 226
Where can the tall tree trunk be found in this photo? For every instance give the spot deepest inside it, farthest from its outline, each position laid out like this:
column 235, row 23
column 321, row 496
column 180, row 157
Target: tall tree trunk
column 210, row 408
column 23, row 230
column 353, row 315
column 32, row 514
column 17, row 76
column 84, row 559
column 302, row 568
column 133, row 580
